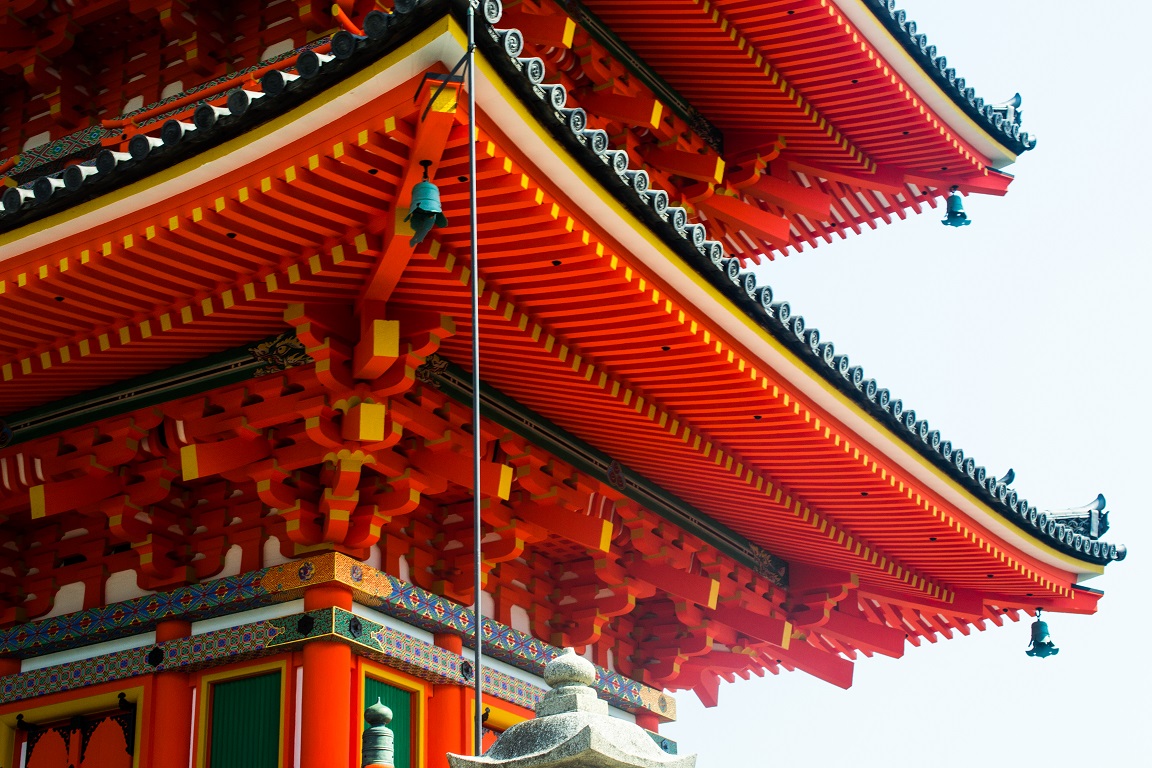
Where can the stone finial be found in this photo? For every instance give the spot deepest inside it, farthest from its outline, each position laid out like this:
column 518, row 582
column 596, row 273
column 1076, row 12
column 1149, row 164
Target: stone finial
column 573, row 729
column 376, row 746
column 569, row 669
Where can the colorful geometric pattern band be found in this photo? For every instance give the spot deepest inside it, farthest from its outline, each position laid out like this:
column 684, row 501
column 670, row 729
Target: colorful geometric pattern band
column 370, row 587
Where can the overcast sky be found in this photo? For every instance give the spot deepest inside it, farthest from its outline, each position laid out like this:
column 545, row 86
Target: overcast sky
column 1023, row 339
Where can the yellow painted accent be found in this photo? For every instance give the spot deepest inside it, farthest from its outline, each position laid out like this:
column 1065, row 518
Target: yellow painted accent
column 189, row 465
column 445, row 101
column 63, row 710
column 370, row 420
column 36, row 498
column 505, row 488
column 420, row 691
column 385, row 339
column 338, row 253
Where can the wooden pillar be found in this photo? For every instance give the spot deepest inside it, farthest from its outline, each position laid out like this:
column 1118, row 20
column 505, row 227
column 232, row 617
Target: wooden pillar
column 448, row 713
column 648, row 721
column 8, row 666
column 326, row 722
column 170, row 708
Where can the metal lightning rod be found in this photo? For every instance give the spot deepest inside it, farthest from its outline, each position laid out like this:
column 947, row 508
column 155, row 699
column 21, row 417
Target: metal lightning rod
column 478, row 737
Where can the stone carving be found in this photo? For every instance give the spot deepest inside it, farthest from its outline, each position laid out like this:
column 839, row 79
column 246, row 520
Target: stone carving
column 376, row 746
column 573, row 729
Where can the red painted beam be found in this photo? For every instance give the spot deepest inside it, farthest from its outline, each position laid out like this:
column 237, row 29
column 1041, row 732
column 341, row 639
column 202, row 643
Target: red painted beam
column 864, row 635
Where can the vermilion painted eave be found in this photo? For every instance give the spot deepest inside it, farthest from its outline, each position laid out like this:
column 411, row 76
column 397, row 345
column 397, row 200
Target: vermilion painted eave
column 633, row 238
column 850, row 47
column 643, row 248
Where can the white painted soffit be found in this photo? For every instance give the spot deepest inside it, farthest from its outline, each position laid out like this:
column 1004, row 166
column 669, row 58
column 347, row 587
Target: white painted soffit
column 923, row 85
column 444, row 43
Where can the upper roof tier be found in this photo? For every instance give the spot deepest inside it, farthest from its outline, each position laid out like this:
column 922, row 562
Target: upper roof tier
column 865, row 76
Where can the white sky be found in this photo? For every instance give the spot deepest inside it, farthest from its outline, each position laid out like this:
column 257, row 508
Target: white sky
column 1023, row 339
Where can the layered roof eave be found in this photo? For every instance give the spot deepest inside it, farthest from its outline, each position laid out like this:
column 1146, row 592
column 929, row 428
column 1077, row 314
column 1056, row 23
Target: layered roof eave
column 437, row 44
column 923, row 85
column 645, row 246
column 442, row 43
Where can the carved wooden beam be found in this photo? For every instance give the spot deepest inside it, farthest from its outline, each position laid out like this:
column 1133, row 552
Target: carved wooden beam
column 436, row 114
column 749, row 218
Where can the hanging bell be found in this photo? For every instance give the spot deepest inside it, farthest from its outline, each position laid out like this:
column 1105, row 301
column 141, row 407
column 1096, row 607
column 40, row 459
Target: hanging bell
column 1041, row 644
column 955, row 213
column 425, row 211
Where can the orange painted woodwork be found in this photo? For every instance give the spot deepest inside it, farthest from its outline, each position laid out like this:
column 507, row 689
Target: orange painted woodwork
column 170, row 707
column 328, row 596
column 325, row 732
column 448, row 716
column 742, row 215
column 793, row 197
column 52, row 751
column 547, row 28
column 707, row 167
column 360, row 448
column 106, row 747
column 643, row 111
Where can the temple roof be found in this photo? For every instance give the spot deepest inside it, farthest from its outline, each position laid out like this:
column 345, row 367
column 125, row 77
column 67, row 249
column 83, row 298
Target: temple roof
column 678, row 369
column 182, row 138
column 1002, row 119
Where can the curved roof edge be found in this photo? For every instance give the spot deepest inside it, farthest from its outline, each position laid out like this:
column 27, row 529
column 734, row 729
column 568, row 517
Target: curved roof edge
column 909, row 52
column 706, row 257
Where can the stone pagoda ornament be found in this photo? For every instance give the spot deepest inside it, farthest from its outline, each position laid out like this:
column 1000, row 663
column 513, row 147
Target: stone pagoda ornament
column 572, row 729
column 376, row 747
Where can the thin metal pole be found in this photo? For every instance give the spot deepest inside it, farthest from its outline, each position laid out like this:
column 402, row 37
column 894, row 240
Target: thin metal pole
column 478, row 745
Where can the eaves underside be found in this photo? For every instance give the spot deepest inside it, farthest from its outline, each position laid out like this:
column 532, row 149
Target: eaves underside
column 720, row 457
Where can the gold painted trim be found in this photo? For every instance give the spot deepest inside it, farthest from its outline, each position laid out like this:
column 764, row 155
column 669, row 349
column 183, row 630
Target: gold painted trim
column 204, row 686
column 65, row 709
column 421, row 689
